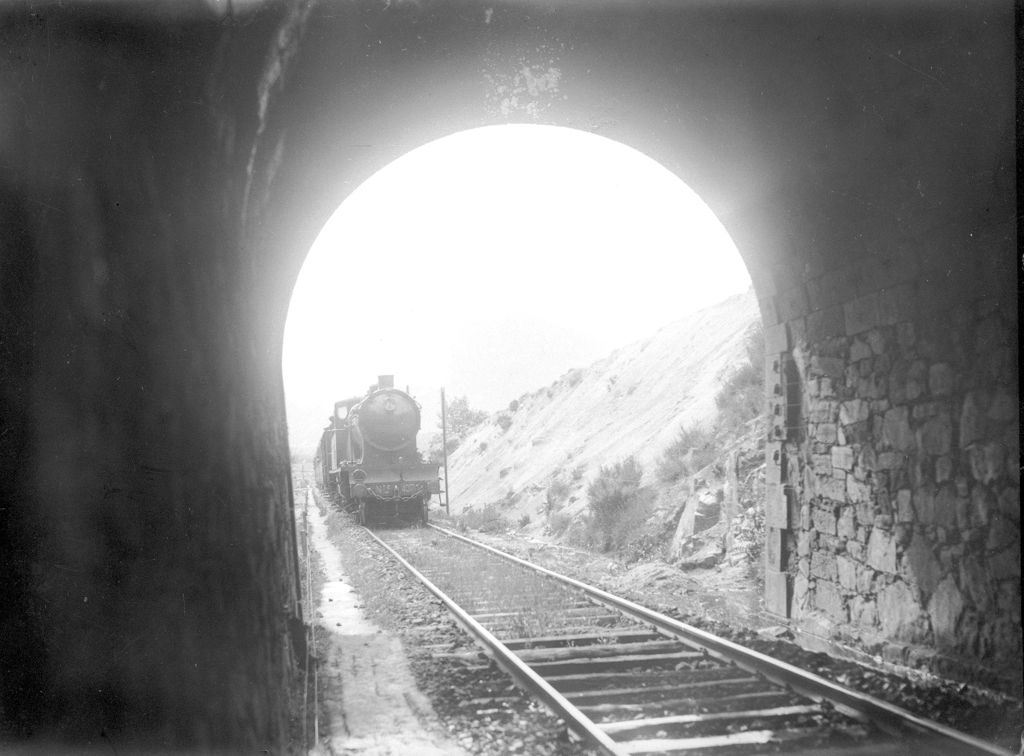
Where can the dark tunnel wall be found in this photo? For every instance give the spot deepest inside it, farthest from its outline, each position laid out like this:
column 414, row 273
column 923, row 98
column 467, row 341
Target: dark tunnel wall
column 146, row 545
column 165, row 170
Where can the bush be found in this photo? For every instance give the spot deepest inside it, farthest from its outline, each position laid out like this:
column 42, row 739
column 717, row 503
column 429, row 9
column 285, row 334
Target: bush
column 555, row 495
column 504, row 422
column 486, row 520
column 513, row 406
column 461, row 418
column 693, row 450
column 524, row 520
column 559, row 522
column 618, row 504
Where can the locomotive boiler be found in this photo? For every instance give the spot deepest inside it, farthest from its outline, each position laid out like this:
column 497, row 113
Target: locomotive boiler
column 367, row 460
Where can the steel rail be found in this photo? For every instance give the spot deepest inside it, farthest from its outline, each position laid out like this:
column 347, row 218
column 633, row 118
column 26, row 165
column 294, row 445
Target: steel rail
column 533, row 683
column 889, row 717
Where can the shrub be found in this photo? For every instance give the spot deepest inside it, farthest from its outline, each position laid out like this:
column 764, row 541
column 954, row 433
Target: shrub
column 559, row 522
column 555, row 495
column 618, row 504
column 693, row 449
column 486, row 520
column 524, row 520
column 504, row 422
column 461, row 417
column 513, row 406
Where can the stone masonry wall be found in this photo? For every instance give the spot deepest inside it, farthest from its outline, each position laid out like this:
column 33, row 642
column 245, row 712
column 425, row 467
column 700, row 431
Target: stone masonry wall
column 893, row 472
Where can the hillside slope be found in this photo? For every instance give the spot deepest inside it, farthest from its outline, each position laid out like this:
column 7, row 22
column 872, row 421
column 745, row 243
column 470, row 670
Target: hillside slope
column 631, row 403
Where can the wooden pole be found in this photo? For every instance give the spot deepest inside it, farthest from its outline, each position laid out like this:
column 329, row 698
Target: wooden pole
column 444, row 446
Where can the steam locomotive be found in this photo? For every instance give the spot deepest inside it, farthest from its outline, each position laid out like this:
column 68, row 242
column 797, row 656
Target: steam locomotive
column 367, row 460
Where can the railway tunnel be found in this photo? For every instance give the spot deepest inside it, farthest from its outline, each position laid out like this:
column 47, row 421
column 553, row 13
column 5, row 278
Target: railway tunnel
column 165, row 167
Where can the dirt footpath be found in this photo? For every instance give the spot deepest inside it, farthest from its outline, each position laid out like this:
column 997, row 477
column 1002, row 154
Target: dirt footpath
column 369, row 702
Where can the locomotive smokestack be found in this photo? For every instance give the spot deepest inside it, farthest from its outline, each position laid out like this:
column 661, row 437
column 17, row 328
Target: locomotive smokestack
column 386, row 381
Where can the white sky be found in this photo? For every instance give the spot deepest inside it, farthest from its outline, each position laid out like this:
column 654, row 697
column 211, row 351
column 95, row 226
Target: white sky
column 490, row 262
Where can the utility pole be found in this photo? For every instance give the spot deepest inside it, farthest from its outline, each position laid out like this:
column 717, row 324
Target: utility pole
column 444, row 446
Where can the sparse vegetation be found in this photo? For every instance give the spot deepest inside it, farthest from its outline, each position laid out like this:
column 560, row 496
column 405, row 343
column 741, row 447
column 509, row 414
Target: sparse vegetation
column 618, row 504
column 739, row 401
column 741, row 398
column 487, row 519
column 694, row 448
column 555, row 496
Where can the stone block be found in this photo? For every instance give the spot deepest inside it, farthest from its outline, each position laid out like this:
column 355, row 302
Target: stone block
column 978, row 584
column 905, row 335
column 821, row 411
column 898, row 611
column 863, row 612
column 791, row 304
column 1005, row 564
column 1008, row 604
column 983, row 505
column 835, row 285
column 855, row 549
column 941, row 379
column 777, row 592
column 776, row 339
column 922, row 566
column 825, row 324
column 832, row 367
column 917, row 380
column 936, row 435
column 944, row 609
column 832, row 488
column 943, row 469
column 861, row 314
column 891, row 460
column 823, row 565
column 987, row 461
column 876, row 340
column 846, row 571
column 846, row 525
column 904, row 505
column 822, row 465
column 853, row 411
column 1003, row 407
column 829, row 601
column 823, row 517
column 859, row 351
column 857, row 492
column 943, row 511
column 896, row 432
column 824, row 432
column 1002, row 534
column 882, row 551
column 1009, row 504
column 842, row 457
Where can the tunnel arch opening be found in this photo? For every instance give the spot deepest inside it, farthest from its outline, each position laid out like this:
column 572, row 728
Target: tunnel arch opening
column 494, row 260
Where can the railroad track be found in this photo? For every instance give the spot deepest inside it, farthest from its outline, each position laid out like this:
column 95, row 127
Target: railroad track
column 628, row 680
